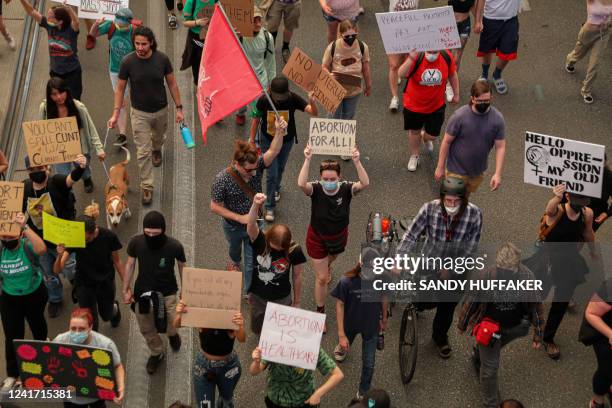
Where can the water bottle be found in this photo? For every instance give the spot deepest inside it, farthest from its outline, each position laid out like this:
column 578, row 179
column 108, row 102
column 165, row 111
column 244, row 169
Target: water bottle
column 380, row 344
column 187, row 138
column 377, row 228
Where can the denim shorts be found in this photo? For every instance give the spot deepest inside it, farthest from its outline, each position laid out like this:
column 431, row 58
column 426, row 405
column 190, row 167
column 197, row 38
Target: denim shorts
column 331, row 19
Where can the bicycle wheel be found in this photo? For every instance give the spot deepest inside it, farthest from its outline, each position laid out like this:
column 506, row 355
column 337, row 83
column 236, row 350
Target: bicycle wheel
column 408, row 344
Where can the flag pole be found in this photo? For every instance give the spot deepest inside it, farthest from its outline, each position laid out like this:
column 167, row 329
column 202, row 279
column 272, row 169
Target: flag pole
column 265, row 91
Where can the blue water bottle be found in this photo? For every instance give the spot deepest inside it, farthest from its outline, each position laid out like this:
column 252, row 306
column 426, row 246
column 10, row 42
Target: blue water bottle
column 187, row 138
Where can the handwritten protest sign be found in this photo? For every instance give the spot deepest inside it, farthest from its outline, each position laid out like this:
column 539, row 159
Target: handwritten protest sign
column 52, row 141
column 240, row 14
column 551, row 160
column 75, row 3
column 11, row 202
column 332, row 136
column 212, row 298
column 86, row 371
column 429, row 29
column 291, row 336
column 96, row 9
column 328, row 92
column 69, row 233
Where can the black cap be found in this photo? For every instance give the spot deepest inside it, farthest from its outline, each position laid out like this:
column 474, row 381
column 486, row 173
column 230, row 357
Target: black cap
column 154, row 219
column 279, row 89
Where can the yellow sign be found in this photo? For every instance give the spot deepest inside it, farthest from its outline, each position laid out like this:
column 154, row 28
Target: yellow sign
column 69, row 233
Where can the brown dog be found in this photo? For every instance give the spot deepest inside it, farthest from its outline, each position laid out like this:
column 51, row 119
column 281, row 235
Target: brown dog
column 116, row 191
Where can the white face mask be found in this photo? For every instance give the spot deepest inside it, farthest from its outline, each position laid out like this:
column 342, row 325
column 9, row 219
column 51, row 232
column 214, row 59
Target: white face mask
column 431, row 57
column 452, row 211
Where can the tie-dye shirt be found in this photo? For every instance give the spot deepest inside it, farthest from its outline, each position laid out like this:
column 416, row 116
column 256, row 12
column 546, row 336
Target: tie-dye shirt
column 62, row 48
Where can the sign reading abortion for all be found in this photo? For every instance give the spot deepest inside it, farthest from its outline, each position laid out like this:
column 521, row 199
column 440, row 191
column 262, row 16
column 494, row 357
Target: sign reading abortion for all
column 431, row 29
column 291, row 336
column 332, row 136
column 551, row 160
column 97, row 9
column 52, row 141
column 11, row 203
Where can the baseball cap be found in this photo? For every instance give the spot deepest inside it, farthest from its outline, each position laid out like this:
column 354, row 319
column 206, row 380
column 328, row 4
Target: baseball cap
column 258, row 12
column 279, row 89
column 124, row 14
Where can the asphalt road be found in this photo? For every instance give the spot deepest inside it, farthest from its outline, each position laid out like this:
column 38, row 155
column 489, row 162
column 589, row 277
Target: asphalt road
column 542, row 98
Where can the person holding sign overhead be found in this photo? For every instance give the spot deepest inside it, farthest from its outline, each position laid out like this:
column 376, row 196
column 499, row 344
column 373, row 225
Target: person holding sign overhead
column 217, row 365
column 23, row 295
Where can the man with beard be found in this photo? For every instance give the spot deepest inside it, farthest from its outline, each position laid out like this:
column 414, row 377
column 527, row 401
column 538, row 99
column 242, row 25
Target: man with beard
column 155, row 290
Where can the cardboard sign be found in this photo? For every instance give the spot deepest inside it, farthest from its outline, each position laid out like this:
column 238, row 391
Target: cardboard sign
column 71, row 234
column 212, row 298
column 96, row 9
column 291, row 336
column 52, row 141
column 87, row 371
column 271, row 120
column 332, row 136
column 11, row 203
column 328, row 92
column 431, row 29
column 551, row 160
column 240, row 14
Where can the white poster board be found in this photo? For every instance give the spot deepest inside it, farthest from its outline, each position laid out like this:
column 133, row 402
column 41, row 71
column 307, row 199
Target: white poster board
column 97, row 9
column 75, row 3
column 291, row 336
column 431, row 29
column 332, row 136
column 551, row 160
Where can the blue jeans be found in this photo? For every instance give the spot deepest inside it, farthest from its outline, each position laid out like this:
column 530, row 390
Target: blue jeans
column 53, row 282
column 276, row 169
column 368, row 359
column 223, row 374
column 347, row 108
column 66, row 168
column 238, row 240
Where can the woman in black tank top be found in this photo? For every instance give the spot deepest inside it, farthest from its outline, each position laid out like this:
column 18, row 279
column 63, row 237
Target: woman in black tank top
column 462, row 9
column 216, row 365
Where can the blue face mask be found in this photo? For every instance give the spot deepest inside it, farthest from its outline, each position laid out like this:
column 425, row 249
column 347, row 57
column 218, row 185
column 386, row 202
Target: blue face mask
column 330, row 185
column 78, row 337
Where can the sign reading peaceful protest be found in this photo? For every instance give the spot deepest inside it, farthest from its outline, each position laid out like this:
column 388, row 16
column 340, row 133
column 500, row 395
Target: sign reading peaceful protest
column 52, row 141
column 96, row 9
column 332, row 136
column 308, row 75
column 551, row 160
column 11, row 202
column 291, row 336
column 431, row 29
column 85, row 371
column 71, row 234
column 212, row 298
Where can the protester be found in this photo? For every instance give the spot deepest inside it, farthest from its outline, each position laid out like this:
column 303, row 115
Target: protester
column 461, row 9
column 287, row 11
column 146, row 69
column 120, row 34
column 358, row 311
column 424, row 103
column 23, row 295
column 512, row 311
column 274, row 255
column 155, row 290
column 218, row 365
column 294, row 387
column 335, row 11
column 52, row 195
column 259, row 49
column 62, row 25
column 601, row 209
column 7, row 36
column 570, row 224
column 82, row 332
column 470, row 134
column 95, row 271
column 232, row 195
column 60, row 104
column 286, row 103
column 374, row 398
column 498, row 25
column 330, row 198
column 593, row 37
column 598, row 314
column 194, row 19
column 449, row 219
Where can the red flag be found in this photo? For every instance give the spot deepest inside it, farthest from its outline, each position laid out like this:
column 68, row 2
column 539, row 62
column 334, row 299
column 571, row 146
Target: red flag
column 227, row 81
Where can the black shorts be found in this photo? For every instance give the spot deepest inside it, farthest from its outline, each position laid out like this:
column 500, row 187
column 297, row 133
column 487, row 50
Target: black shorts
column 431, row 121
column 500, row 37
column 464, row 27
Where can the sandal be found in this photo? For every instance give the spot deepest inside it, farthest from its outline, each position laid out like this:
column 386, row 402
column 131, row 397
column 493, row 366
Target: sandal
column 172, row 24
column 500, row 86
column 587, row 98
column 339, row 354
column 552, row 350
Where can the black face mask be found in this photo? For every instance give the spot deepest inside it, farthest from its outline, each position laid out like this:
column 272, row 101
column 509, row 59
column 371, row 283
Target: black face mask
column 11, row 244
column 155, row 242
column 577, row 207
column 38, row 176
column 349, row 39
column 482, row 107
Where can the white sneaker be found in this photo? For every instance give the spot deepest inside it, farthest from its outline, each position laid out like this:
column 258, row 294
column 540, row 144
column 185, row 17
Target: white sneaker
column 277, row 196
column 413, row 162
column 269, row 217
column 394, row 105
column 449, row 92
column 11, row 42
column 8, row 384
column 429, row 145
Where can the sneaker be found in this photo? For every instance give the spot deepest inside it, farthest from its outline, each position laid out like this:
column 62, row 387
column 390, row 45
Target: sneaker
column 358, row 400
column 346, row 158
column 483, row 79
column 413, row 162
column 10, row 41
column 587, row 98
column 121, row 140
column 445, row 350
column 430, row 146
column 88, row 183
column 156, row 158
column 172, row 22
column 240, row 120
column 8, row 384
column 114, row 321
column 449, row 92
column 500, row 86
column 394, row 105
column 571, row 68
column 175, row 342
column 285, row 54
column 552, row 350
column 361, row 11
column 153, row 363
column 340, row 354
column 269, row 217
column 147, row 196
column 53, row 309
column 277, row 196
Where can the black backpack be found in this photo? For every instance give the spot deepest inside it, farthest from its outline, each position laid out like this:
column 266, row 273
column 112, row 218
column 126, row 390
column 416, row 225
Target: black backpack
column 418, row 62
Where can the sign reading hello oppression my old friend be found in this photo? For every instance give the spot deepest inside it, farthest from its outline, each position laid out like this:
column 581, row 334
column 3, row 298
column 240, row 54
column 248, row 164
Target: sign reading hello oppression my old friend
column 52, row 141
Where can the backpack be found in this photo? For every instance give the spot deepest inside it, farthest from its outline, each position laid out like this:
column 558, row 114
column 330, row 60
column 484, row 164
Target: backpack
column 267, row 37
column 418, row 62
column 333, row 48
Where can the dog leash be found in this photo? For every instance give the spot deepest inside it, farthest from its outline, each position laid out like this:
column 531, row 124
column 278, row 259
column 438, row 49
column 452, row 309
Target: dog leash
column 104, row 149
